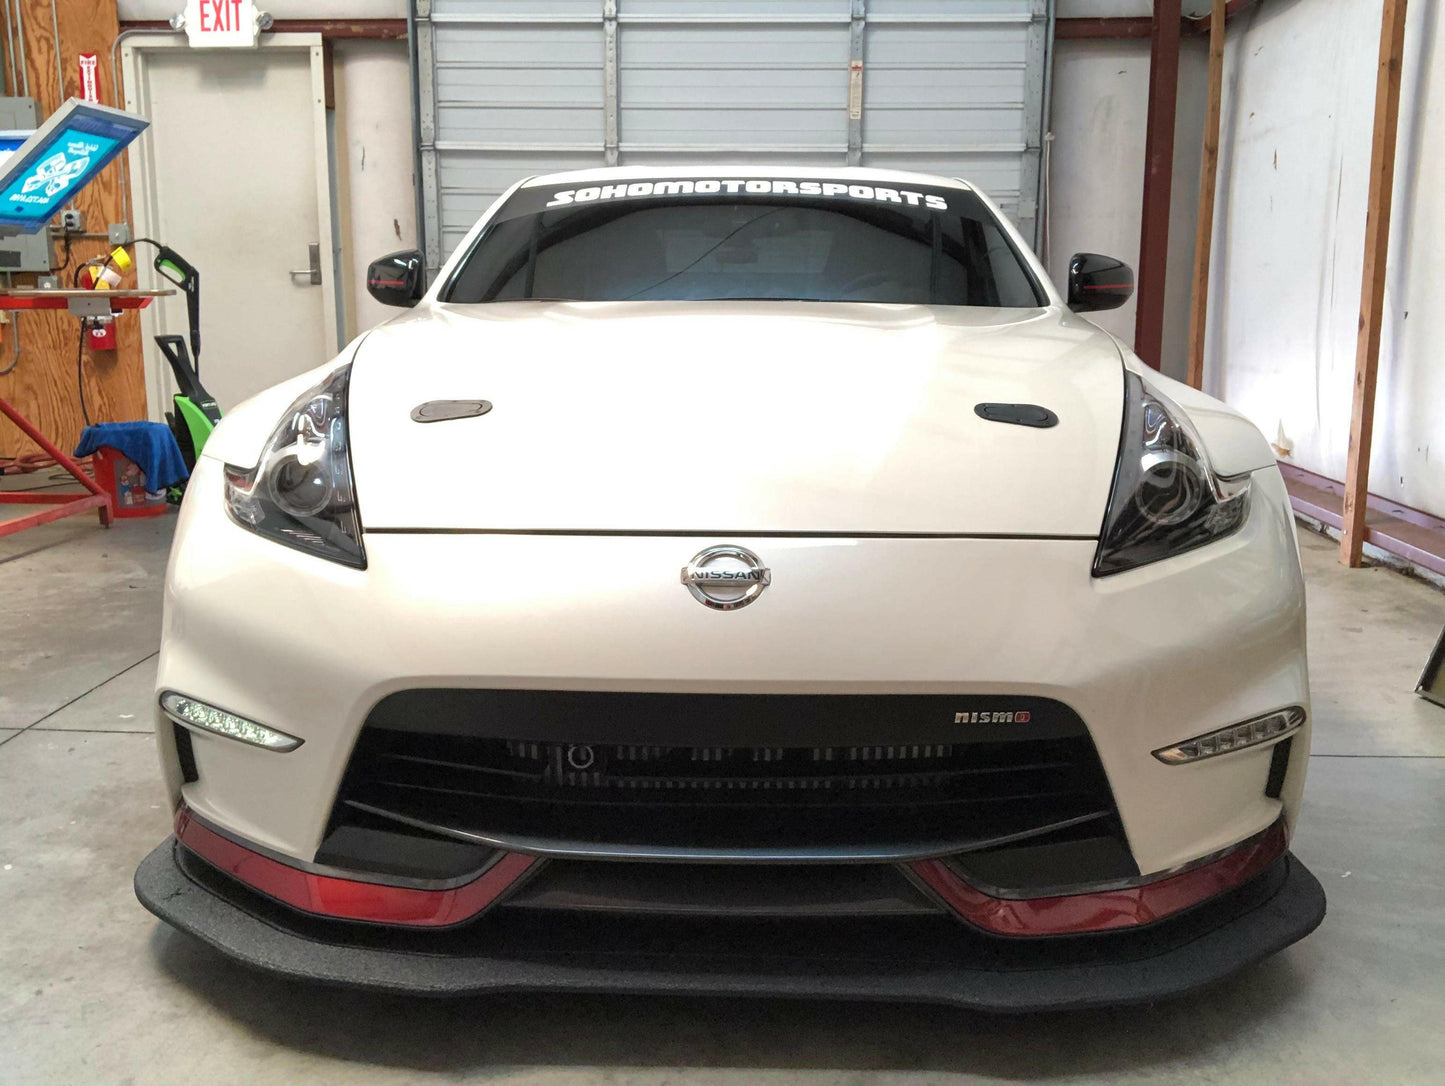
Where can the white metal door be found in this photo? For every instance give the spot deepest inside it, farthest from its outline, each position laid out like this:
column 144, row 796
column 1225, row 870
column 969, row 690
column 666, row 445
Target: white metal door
column 507, row 88
column 234, row 175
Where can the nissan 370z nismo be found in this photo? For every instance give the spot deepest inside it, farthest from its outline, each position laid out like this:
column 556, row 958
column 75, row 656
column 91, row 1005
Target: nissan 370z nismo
column 739, row 580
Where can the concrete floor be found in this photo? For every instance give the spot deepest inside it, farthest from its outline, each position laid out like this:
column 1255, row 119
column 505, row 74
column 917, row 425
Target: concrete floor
column 93, row 989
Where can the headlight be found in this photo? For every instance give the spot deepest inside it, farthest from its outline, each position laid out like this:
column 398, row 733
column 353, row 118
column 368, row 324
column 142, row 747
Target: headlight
column 1166, row 497
column 301, row 492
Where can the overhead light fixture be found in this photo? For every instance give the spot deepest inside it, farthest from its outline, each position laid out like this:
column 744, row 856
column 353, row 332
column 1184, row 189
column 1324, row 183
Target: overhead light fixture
column 1262, row 729
column 197, row 714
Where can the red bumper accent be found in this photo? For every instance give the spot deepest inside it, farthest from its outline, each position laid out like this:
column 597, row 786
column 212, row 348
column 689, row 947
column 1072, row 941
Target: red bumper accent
column 1107, row 910
column 1071, row 914
column 347, row 899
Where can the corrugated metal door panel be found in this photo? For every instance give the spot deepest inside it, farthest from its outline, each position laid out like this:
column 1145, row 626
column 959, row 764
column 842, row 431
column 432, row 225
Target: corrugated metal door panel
column 949, row 89
column 512, row 88
column 695, row 88
column 518, row 91
column 470, row 180
column 516, row 11
column 750, row 12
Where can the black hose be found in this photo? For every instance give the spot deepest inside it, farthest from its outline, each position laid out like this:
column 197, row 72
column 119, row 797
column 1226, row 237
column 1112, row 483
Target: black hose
column 79, row 376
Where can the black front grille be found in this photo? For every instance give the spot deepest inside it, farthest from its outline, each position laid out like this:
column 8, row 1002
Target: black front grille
column 925, row 779
column 732, row 890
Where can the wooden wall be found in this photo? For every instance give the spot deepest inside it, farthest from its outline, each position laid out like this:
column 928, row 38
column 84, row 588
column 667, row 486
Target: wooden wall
column 43, row 385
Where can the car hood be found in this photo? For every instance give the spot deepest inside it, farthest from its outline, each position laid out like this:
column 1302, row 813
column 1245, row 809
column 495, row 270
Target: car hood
column 731, row 417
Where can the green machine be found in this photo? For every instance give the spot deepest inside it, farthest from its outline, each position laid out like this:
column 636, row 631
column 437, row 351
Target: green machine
column 195, row 414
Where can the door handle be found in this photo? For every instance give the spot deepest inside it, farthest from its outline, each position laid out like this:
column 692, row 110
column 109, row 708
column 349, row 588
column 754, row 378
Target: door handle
column 313, row 273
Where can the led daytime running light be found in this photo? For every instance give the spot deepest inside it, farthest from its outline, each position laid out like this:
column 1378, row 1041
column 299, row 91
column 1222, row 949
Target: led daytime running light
column 197, row 714
column 1251, row 733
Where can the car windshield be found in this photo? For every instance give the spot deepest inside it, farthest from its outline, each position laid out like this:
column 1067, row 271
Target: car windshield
column 706, row 239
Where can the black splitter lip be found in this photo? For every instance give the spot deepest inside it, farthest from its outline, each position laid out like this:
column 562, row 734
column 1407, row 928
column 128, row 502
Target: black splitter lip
column 925, row 961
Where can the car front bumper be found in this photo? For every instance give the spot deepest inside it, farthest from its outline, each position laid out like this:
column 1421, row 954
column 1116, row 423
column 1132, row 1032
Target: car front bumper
column 1145, row 658
column 920, row 959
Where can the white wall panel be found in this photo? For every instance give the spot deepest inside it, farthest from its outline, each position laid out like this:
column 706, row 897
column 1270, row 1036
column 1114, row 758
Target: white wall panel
column 374, row 155
column 1101, row 91
column 1096, row 183
column 1298, row 116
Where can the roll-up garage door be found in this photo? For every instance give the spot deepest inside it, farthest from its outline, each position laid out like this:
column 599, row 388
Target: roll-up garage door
column 509, row 88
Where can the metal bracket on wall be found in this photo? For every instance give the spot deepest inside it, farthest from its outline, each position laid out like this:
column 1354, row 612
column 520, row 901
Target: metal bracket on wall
column 609, row 81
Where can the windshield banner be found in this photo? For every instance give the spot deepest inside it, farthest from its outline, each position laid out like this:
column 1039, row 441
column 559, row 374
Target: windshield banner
column 530, row 200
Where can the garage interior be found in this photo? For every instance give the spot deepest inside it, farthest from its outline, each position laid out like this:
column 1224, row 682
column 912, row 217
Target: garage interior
column 1269, row 168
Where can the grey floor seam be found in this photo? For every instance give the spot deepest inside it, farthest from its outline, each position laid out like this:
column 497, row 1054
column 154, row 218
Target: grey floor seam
column 92, row 690
column 83, row 731
column 36, row 550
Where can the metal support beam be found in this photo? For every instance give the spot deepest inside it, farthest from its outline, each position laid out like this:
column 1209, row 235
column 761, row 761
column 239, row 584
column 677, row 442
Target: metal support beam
column 1372, row 288
column 428, row 181
column 1121, row 27
column 857, row 30
column 1039, row 59
column 1158, row 177
column 609, row 82
column 1208, row 168
column 329, row 29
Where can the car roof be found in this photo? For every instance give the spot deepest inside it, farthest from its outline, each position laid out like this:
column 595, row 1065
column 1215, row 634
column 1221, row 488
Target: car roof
column 745, row 170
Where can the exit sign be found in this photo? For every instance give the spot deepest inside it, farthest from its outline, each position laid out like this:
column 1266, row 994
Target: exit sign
column 221, row 23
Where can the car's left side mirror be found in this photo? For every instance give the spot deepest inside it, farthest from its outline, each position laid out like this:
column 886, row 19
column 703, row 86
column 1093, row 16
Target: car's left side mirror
column 397, row 278
column 1098, row 282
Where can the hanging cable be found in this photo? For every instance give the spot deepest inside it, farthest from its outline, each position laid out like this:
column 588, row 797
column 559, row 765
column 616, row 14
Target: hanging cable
column 59, row 59
column 80, row 375
column 15, row 344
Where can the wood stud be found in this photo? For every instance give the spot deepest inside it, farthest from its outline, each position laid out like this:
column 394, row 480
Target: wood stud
column 1372, row 287
column 1208, row 169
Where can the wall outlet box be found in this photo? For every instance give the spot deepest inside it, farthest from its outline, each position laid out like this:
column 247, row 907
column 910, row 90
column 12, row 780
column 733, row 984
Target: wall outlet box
column 72, row 221
column 118, row 233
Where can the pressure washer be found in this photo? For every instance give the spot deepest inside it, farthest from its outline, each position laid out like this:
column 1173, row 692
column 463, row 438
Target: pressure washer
column 195, row 414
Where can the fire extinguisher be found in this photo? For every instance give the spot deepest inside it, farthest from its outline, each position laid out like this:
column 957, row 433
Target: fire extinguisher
column 103, row 274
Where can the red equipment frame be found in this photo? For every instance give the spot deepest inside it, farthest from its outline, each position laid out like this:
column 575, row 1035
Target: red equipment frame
column 65, row 505
column 62, row 505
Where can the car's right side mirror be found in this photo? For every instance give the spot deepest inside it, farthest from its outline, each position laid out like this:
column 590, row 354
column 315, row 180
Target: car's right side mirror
column 397, row 278
column 1098, row 282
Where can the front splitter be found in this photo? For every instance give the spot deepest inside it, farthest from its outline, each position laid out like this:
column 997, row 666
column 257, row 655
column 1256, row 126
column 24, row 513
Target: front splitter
column 927, row 961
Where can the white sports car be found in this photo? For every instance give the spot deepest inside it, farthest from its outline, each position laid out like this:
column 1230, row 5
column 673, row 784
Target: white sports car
column 738, row 580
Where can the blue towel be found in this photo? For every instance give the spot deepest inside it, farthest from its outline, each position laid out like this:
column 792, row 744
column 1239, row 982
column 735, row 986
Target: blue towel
column 150, row 444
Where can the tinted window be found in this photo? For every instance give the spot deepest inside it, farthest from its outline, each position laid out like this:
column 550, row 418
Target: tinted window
column 734, row 245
